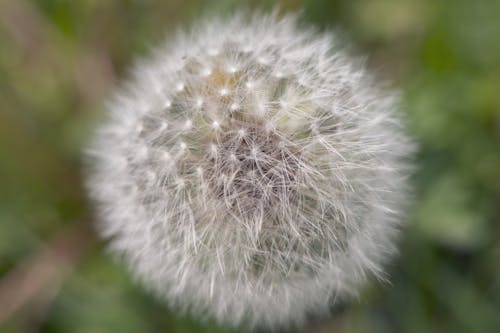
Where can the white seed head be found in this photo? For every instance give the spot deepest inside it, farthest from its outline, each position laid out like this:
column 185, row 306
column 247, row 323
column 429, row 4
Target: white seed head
column 278, row 185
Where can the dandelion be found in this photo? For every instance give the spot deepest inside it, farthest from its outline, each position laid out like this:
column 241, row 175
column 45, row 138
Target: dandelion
column 251, row 172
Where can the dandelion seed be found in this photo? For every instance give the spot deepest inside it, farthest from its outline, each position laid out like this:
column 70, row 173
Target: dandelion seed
column 179, row 87
column 206, row 72
column 234, row 107
column 241, row 133
column 232, row 69
column 199, row 103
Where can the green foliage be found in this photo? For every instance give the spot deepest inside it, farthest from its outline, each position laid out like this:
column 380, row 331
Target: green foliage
column 60, row 59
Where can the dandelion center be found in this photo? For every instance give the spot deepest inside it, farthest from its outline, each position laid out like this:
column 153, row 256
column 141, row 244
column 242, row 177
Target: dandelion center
column 261, row 173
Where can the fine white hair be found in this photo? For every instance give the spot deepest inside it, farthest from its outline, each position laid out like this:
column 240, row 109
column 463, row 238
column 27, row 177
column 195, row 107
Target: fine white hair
column 251, row 171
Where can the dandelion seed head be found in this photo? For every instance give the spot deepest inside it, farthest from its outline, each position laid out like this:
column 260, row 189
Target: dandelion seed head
column 262, row 172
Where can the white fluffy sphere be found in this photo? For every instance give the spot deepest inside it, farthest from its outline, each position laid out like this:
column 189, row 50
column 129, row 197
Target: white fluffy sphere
column 251, row 171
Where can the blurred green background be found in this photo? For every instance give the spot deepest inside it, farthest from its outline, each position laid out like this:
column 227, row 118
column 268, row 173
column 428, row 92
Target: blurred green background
column 60, row 59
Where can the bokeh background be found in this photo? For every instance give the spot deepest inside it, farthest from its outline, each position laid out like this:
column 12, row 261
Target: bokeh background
column 60, row 59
